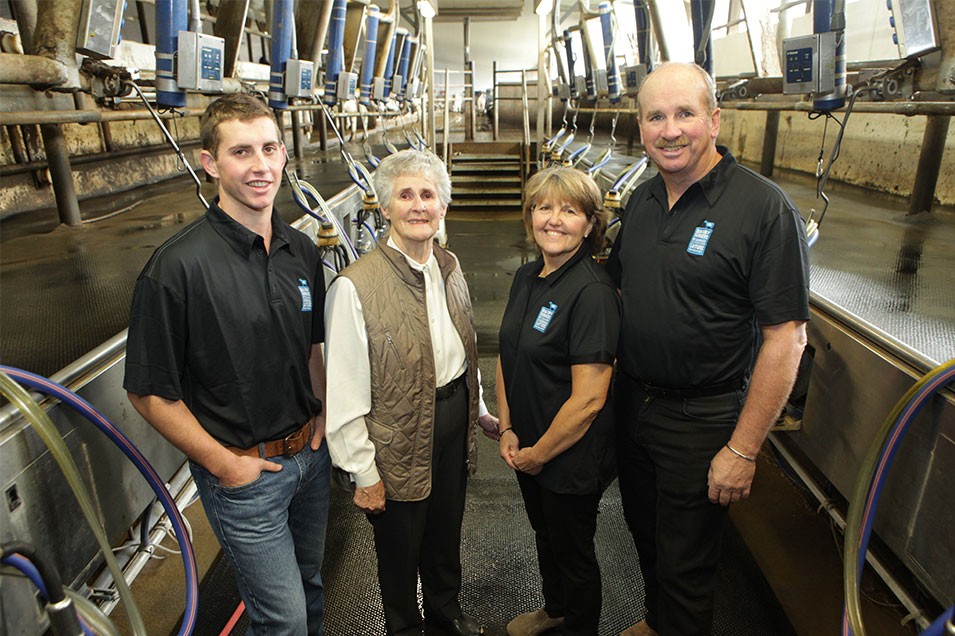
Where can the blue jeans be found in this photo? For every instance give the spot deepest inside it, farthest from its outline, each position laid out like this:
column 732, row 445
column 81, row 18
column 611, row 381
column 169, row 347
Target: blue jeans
column 272, row 530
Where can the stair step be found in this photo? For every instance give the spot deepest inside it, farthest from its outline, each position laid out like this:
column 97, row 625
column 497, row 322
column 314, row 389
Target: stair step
column 487, row 203
column 484, row 167
column 455, row 158
column 489, row 179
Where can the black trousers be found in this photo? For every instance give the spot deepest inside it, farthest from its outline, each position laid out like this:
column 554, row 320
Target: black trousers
column 425, row 536
column 564, row 528
column 664, row 449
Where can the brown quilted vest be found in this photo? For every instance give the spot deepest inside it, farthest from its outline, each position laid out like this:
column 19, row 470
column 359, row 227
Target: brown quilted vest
column 401, row 419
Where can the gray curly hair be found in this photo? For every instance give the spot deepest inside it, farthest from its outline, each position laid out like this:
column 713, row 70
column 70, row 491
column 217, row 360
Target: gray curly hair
column 410, row 162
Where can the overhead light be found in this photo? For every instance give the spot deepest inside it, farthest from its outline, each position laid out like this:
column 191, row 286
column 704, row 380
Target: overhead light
column 428, row 8
column 543, row 7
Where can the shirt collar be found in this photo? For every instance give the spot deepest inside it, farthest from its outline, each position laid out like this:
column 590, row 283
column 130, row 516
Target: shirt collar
column 412, row 262
column 552, row 278
column 712, row 184
column 242, row 239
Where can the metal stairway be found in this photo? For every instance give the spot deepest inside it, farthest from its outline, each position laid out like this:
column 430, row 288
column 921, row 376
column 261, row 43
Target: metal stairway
column 486, row 177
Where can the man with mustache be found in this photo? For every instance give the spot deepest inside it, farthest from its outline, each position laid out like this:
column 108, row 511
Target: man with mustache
column 712, row 265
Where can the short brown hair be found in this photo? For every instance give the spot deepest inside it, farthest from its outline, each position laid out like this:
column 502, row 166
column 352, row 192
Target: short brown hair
column 567, row 185
column 241, row 106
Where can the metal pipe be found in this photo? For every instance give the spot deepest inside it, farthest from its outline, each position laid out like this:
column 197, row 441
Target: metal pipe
column 34, row 70
column 701, row 15
column 908, row 109
column 388, row 37
column 195, row 19
column 429, row 79
column 55, row 36
column 298, row 144
column 770, row 135
column 319, row 42
column 496, row 103
column 657, row 21
column 24, row 118
column 446, row 128
column 829, row 506
column 61, row 174
column 24, row 11
column 29, row 166
column 930, row 163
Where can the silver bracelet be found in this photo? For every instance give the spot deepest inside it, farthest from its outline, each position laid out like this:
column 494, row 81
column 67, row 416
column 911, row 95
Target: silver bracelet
column 739, row 454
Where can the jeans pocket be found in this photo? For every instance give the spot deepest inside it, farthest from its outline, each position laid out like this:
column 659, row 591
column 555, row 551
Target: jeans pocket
column 241, row 488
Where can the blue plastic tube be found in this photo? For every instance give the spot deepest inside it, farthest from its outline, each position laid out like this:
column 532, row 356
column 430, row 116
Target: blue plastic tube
column 403, row 63
column 571, row 76
column 87, row 410
column 282, row 26
column 336, row 52
column 368, row 61
column 171, row 18
column 606, row 27
column 822, row 19
column 390, row 65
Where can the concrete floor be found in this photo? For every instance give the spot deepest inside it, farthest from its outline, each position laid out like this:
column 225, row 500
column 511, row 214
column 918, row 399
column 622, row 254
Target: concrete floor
column 789, row 538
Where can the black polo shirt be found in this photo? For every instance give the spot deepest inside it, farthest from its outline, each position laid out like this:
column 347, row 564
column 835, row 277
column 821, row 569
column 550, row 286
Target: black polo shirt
column 226, row 327
column 570, row 317
column 696, row 282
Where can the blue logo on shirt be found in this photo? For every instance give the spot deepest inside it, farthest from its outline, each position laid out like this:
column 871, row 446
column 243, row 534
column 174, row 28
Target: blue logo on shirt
column 306, row 294
column 544, row 317
column 701, row 236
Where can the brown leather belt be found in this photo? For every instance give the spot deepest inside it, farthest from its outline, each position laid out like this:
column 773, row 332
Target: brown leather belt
column 289, row 445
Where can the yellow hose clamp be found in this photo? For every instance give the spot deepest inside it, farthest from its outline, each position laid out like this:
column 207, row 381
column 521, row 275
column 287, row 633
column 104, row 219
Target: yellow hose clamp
column 612, row 200
column 369, row 202
column 327, row 235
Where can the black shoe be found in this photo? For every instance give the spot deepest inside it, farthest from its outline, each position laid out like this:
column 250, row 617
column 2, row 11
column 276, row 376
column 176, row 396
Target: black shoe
column 464, row 625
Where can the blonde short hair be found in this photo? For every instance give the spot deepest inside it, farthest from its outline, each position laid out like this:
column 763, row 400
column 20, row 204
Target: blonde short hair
column 567, row 185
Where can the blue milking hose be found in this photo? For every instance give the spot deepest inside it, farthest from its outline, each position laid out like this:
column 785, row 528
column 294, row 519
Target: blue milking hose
column 872, row 478
column 87, row 410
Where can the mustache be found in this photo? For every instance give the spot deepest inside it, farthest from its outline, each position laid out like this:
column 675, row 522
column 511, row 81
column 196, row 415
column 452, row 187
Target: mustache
column 668, row 144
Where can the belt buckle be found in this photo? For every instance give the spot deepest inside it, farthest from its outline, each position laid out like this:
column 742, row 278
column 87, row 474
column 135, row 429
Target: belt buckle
column 287, row 449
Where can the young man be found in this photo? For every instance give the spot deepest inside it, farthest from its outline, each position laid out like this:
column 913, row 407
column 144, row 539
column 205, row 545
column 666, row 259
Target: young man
column 224, row 360
column 713, row 268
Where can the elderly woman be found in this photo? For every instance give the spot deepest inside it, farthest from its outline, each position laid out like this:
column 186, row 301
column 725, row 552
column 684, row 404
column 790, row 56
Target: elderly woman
column 404, row 396
column 558, row 338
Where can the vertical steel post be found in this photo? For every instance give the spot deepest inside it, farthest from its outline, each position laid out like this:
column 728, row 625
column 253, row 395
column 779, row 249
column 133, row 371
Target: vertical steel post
column 24, row 11
column 770, row 134
column 542, row 96
column 496, row 103
column 930, row 163
column 298, row 143
column 58, row 160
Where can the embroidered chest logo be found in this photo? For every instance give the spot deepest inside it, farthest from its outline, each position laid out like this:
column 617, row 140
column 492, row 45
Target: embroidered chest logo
column 701, row 236
column 544, row 317
column 306, row 294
